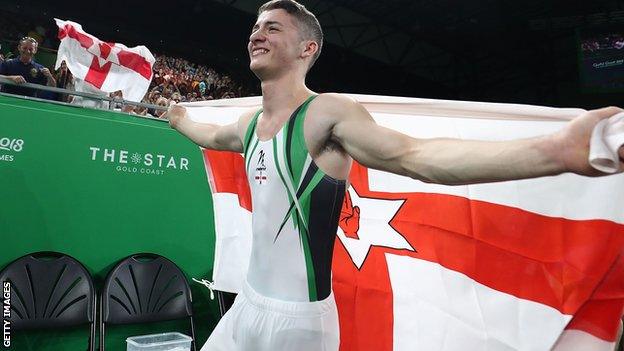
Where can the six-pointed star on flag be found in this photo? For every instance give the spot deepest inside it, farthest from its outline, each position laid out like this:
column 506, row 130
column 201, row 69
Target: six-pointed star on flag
column 373, row 229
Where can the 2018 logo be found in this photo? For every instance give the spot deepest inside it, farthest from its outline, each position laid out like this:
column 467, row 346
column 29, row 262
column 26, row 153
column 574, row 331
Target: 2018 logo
column 11, row 145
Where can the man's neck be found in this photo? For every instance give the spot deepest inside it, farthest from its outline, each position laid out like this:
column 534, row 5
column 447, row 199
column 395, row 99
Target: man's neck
column 25, row 60
column 281, row 96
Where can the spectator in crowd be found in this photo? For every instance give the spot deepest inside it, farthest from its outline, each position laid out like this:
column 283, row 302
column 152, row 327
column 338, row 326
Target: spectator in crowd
column 140, row 111
column 24, row 69
column 176, row 97
column 64, row 80
column 118, row 104
column 163, row 102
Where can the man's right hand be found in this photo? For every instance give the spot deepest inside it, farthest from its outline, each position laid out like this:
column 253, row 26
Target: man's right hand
column 17, row 79
column 175, row 115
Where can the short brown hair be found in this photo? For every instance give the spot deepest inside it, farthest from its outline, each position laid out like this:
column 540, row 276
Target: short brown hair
column 28, row 39
column 309, row 26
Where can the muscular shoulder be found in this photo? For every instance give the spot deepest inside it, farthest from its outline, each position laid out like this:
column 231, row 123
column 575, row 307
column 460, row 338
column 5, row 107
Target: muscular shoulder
column 244, row 120
column 334, row 103
column 337, row 107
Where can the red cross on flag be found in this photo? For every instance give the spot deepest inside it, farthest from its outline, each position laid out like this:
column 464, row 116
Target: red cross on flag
column 535, row 264
column 106, row 66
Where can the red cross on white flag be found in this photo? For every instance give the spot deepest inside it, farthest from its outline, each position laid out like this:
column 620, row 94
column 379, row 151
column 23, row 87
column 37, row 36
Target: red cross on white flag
column 106, row 66
column 535, row 264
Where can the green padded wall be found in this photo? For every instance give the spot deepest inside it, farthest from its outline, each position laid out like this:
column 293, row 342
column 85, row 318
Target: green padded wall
column 100, row 185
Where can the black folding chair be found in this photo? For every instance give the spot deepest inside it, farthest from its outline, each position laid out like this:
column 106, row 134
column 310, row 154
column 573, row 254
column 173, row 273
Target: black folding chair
column 225, row 300
column 50, row 290
column 145, row 288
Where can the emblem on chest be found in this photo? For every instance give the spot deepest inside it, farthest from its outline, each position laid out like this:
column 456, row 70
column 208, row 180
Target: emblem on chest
column 261, row 174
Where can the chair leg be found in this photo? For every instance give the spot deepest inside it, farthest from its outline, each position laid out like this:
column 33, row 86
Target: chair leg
column 101, row 319
column 194, row 342
column 93, row 322
column 221, row 302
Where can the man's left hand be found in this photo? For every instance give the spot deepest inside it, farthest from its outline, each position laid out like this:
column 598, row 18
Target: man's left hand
column 573, row 141
column 46, row 72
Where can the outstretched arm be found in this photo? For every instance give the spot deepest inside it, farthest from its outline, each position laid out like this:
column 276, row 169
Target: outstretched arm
column 210, row 136
column 454, row 161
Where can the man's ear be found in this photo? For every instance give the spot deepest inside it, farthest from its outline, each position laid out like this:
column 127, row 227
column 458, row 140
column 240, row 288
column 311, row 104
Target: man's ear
column 309, row 49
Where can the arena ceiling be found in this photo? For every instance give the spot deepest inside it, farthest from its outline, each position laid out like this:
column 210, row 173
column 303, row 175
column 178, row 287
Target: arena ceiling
column 467, row 46
column 488, row 50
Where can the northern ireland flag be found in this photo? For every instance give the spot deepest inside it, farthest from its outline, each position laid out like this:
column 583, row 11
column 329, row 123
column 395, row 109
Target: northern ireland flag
column 108, row 67
column 523, row 265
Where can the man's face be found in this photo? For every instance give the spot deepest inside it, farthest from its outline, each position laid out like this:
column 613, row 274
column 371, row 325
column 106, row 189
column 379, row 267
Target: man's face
column 274, row 43
column 28, row 49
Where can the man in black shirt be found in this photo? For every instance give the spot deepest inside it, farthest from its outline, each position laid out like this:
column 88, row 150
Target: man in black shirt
column 24, row 69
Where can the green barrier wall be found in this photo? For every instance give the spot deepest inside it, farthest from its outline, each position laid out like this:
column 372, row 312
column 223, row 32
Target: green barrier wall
column 99, row 186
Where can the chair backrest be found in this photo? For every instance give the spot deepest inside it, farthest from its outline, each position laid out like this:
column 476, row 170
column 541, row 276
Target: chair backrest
column 49, row 290
column 145, row 288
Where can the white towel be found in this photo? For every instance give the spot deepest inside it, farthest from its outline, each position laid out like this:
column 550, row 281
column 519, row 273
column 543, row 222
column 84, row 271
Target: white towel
column 607, row 137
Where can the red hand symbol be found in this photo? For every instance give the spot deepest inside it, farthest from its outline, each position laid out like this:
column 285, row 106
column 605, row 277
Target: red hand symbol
column 349, row 218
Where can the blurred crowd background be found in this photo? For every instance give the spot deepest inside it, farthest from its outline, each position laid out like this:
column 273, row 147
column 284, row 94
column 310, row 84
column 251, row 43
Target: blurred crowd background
column 175, row 79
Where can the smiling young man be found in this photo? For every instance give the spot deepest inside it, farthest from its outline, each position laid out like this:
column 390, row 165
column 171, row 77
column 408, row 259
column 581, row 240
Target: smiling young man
column 298, row 152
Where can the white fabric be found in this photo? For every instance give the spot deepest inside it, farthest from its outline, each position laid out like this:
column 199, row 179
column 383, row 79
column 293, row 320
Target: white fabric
column 580, row 340
column 607, row 138
column 79, row 59
column 259, row 323
column 232, row 222
column 232, row 231
column 463, row 314
column 82, row 86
